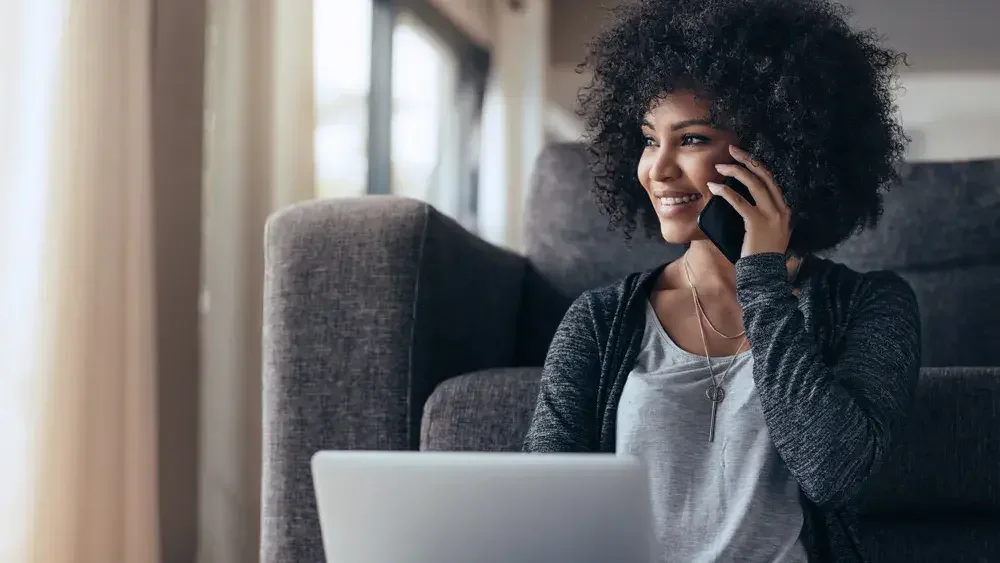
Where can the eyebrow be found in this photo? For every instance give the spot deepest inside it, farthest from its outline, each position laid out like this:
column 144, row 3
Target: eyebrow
column 681, row 124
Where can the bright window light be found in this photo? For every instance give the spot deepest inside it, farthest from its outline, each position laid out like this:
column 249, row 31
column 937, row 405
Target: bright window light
column 342, row 31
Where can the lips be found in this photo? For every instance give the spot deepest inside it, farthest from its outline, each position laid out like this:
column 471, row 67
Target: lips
column 676, row 204
column 679, row 200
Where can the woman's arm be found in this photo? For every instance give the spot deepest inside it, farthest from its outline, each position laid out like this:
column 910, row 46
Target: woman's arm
column 833, row 425
column 565, row 414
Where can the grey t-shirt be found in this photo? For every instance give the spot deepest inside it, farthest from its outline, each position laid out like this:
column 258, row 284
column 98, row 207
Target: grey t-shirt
column 732, row 499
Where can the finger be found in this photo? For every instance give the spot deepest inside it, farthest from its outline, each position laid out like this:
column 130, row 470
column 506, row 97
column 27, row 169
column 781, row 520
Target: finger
column 761, row 172
column 739, row 203
column 761, row 195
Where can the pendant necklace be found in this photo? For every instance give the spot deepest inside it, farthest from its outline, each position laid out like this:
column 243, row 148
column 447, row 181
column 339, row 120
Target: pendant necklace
column 715, row 392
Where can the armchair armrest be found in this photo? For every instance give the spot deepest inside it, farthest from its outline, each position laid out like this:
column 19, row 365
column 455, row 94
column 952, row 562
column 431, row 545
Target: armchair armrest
column 369, row 303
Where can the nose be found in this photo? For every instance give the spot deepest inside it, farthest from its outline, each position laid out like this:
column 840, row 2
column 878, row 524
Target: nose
column 664, row 166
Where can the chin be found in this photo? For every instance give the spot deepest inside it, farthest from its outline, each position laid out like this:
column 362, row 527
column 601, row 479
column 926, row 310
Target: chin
column 675, row 233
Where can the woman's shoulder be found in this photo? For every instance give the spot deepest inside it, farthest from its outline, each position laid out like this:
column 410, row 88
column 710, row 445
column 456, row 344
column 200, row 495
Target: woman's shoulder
column 624, row 291
column 614, row 302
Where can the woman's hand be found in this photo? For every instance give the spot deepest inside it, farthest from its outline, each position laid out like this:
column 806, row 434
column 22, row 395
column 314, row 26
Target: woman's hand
column 768, row 224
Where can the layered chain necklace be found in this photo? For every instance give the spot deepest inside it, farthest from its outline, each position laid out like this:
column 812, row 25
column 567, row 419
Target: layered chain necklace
column 715, row 392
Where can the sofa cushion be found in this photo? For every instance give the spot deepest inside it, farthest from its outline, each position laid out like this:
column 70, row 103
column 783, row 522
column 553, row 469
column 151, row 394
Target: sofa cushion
column 945, row 463
column 948, row 459
column 486, row 411
column 931, row 540
column 940, row 216
column 941, row 231
column 959, row 314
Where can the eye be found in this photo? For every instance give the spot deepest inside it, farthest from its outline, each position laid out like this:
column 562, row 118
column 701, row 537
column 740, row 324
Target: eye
column 649, row 141
column 694, row 140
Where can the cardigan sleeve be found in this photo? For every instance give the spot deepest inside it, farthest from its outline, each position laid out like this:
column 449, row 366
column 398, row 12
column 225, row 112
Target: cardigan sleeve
column 565, row 417
column 832, row 424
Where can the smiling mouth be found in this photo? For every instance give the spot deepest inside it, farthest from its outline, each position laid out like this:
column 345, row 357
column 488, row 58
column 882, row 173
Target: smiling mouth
column 677, row 206
column 668, row 202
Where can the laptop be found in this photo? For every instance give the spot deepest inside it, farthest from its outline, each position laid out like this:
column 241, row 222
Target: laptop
column 457, row 507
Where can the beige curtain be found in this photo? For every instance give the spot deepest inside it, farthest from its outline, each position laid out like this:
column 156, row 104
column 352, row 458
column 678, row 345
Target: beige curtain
column 259, row 157
column 79, row 433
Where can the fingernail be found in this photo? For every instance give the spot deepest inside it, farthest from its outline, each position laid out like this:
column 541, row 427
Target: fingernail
column 720, row 167
column 736, row 150
column 715, row 188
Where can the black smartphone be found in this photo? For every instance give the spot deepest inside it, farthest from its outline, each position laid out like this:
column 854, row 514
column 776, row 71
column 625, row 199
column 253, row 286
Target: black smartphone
column 722, row 224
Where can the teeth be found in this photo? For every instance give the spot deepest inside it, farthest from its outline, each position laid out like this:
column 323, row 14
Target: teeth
column 679, row 200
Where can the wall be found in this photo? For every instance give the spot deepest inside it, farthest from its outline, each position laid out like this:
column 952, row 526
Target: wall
column 951, row 101
column 951, row 115
column 475, row 17
column 938, row 36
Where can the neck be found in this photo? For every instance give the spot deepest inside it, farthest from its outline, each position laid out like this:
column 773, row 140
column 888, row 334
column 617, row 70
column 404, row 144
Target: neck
column 710, row 269
column 713, row 272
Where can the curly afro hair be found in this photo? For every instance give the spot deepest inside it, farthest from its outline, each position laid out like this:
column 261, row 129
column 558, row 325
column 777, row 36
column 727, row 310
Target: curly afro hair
column 807, row 95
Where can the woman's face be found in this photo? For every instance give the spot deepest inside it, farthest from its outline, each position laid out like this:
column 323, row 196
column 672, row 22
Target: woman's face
column 678, row 161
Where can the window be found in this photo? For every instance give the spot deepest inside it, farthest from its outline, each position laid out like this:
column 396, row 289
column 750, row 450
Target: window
column 418, row 137
column 425, row 136
column 342, row 73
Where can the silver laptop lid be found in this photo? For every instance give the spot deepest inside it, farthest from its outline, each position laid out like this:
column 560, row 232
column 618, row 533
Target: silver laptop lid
column 423, row 507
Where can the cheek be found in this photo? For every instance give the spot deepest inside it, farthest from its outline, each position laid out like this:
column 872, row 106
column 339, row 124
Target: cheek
column 702, row 170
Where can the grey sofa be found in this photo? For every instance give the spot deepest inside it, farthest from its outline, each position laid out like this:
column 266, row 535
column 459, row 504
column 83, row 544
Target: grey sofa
column 388, row 326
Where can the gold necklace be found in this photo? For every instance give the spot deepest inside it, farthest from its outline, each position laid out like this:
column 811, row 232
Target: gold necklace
column 698, row 308
column 715, row 392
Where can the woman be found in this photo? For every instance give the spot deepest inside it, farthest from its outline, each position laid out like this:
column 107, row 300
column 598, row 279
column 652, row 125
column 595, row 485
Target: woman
column 762, row 395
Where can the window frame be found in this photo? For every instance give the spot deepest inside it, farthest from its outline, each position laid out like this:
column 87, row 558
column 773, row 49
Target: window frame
column 474, row 64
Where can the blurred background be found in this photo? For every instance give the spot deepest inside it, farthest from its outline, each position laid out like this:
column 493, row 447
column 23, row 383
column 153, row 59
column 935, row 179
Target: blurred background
column 145, row 142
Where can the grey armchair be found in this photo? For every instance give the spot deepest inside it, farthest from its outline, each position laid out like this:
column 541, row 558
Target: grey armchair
column 389, row 326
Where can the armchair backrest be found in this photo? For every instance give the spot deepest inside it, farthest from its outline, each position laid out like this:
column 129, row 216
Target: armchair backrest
column 941, row 231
